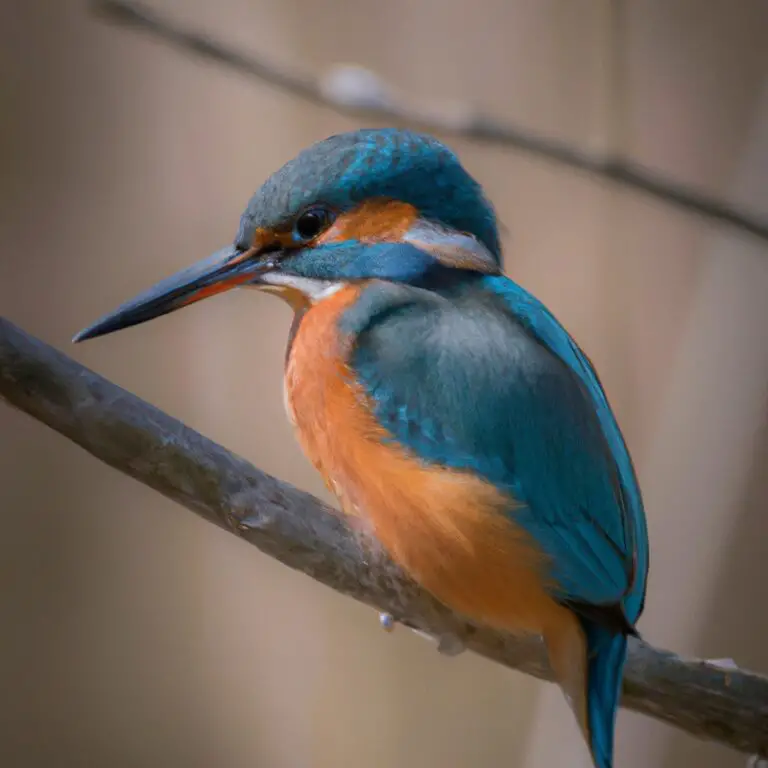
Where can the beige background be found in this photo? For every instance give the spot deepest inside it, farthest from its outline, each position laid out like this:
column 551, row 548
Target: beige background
column 135, row 635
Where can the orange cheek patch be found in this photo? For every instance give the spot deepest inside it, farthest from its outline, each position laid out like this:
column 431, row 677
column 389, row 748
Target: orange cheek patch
column 264, row 237
column 373, row 221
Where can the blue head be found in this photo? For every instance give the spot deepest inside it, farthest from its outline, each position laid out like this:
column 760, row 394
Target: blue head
column 347, row 170
column 379, row 203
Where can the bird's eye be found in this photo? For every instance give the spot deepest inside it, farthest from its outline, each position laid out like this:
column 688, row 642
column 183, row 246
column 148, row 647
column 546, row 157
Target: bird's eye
column 312, row 222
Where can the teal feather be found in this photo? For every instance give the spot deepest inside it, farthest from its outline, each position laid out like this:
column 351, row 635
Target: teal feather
column 540, row 322
column 472, row 372
column 606, row 656
column 352, row 260
column 344, row 170
column 466, row 370
column 473, row 388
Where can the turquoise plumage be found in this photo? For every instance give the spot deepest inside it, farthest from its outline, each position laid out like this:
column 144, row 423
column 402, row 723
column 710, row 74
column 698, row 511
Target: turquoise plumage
column 536, row 424
column 442, row 402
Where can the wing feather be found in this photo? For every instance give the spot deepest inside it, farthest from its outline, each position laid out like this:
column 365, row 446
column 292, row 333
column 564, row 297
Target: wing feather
column 489, row 382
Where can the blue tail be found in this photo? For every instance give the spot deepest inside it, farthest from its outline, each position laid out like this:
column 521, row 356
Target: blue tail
column 606, row 654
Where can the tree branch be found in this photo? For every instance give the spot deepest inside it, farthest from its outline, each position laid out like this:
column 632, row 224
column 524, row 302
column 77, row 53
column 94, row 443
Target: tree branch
column 705, row 699
column 358, row 91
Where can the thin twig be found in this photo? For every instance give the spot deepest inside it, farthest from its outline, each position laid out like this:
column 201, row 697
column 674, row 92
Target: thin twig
column 358, row 91
column 705, row 699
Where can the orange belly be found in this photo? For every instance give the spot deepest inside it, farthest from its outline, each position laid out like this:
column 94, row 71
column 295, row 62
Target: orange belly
column 448, row 529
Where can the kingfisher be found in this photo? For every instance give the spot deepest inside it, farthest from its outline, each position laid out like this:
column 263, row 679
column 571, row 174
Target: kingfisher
column 448, row 410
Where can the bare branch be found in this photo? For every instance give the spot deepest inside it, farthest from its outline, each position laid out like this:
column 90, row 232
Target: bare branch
column 709, row 700
column 358, row 91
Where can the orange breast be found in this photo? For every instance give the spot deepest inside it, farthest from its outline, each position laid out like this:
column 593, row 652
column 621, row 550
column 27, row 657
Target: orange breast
column 447, row 529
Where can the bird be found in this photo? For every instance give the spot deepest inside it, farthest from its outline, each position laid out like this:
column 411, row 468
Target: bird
column 449, row 411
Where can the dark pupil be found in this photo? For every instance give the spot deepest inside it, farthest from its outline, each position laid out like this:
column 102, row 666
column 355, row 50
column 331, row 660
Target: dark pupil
column 310, row 224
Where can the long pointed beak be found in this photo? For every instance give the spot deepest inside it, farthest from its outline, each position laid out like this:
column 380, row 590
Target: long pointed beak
column 225, row 269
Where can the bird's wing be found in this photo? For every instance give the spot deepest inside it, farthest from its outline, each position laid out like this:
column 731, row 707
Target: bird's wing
column 543, row 326
column 489, row 382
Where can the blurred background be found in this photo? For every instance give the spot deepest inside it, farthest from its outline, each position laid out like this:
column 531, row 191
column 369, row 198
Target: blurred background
column 134, row 634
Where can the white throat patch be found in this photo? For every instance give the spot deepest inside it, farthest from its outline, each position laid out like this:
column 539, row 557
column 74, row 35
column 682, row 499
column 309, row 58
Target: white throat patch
column 315, row 290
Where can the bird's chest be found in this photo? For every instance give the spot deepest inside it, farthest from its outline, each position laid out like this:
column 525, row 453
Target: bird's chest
column 323, row 401
column 447, row 528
